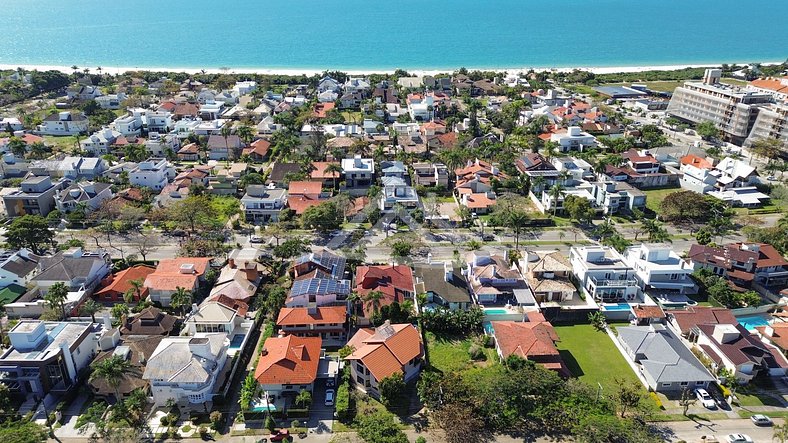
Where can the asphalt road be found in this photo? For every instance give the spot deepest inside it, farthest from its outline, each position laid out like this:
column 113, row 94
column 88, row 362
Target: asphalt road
column 691, row 431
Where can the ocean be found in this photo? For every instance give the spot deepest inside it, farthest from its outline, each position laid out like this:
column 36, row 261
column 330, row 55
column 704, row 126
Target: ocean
column 377, row 34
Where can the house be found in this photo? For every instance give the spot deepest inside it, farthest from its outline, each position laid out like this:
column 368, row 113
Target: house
column 221, row 314
column 659, row 270
column 473, row 185
column 47, row 357
column 111, row 101
column 100, row 142
column 302, row 195
column 35, row 196
column 734, row 174
column 327, row 97
column 445, row 286
column 330, row 323
column 603, row 274
column 533, row 162
column 171, row 274
column 548, row 277
column 328, row 84
column 492, row 279
column 150, row 321
column 258, row 150
column 79, row 270
column 159, row 145
column 220, row 148
column 11, row 124
column 320, row 289
column 115, row 286
column 358, row 171
column 641, row 161
column 742, row 263
column 396, row 192
column 696, row 178
column 16, row 267
column 431, row 174
column 282, row 173
column 395, row 282
column 187, row 370
column 261, row 204
column 420, row 107
column 775, row 334
column 288, row 364
column 574, row 139
column 382, row 352
column 134, row 350
column 82, row 92
column 237, row 281
column 745, row 197
column 324, row 261
column 617, row 197
column 319, row 174
column 350, row 100
column 645, row 315
column 87, row 195
column 152, row 173
column 356, row 85
column 662, row 359
column 189, row 152
column 129, row 125
column 321, row 110
column 533, row 340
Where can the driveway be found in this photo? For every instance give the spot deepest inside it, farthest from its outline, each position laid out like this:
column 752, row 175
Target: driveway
column 321, row 417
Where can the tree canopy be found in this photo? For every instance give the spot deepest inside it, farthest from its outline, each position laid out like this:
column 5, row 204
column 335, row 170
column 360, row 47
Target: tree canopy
column 30, row 231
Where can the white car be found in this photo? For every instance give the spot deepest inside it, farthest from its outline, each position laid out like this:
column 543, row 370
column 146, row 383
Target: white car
column 738, row 438
column 761, row 420
column 255, row 239
column 329, row 397
column 705, row 399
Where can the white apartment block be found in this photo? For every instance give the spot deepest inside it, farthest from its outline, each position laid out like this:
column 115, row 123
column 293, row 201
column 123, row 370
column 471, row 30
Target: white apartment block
column 659, row 269
column 603, row 274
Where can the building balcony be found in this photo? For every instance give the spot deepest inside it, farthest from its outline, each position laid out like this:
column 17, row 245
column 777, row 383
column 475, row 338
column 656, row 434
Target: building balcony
column 613, row 283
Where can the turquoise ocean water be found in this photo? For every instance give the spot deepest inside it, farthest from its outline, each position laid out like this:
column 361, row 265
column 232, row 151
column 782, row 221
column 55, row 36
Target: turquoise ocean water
column 376, row 34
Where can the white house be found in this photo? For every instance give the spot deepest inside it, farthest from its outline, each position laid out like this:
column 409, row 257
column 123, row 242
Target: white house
column 603, row 274
column 100, row 142
column 396, row 191
column 152, row 173
column 16, row 267
column 261, row 204
column 328, row 84
column 129, row 125
column 11, row 122
column 89, row 194
column 245, row 87
column 734, row 174
column 64, row 123
column 111, row 101
column 701, row 180
column 159, row 121
column 221, row 315
column 186, row 369
column 659, row 269
column 574, row 139
column 358, row 171
column 421, row 107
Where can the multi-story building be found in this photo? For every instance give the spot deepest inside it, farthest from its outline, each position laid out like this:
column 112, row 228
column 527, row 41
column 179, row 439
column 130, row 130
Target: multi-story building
column 358, row 171
column 574, row 139
column 742, row 263
column 603, row 274
column 660, row 270
column 88, row 194
column 431, row 174
column 152, row 173
column 36, row 196
column 100, row 142
column 261, row 204
column 732, row 109
column 64, row 123
column 330, row 323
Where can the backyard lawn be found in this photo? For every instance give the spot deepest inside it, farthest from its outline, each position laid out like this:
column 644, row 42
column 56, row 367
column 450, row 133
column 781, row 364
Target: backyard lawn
column 448, row 354
column 592, row 357
column 655, row 196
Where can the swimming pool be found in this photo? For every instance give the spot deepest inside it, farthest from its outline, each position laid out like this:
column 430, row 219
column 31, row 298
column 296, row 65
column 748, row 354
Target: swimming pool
column 236, row 341
column 616, row 307
column 497, row 311
column 750, row 322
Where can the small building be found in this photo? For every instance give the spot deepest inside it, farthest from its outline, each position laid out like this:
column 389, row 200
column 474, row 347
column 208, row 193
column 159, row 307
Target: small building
column 115, row 286
column 288, row 364
column 548, row 277
column 150, row 321
column 16, row 267
column 152, row 173
column 171, row 274
column 358, row 171
column 134, row 350
column 533, row 340
column 87, row 195
column 221, row 314
column 431, row 174
column 64, row 123
column 492, row 279
column 330, row 323
column 445, row 286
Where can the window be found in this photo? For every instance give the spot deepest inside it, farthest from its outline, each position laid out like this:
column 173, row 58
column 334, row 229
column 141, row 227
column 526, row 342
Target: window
column 674, row 276
column 684, row 383
column 360, row 380
column 700, row 383
column 666, row 384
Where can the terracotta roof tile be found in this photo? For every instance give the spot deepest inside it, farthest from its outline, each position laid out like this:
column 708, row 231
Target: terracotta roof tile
column 385, row 350
column 289, row 360
column 301, row 316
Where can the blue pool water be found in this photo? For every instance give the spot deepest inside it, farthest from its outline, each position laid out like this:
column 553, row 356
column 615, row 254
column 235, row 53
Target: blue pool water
column 495, row 311
column 616, row 307
column 488, row 328
column 440, row 34
column 750, row 322
column 236, row 341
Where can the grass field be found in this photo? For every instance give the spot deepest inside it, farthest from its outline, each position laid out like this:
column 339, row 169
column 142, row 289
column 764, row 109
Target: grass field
column 592, row 357
column 449, row 354
column 655, row 196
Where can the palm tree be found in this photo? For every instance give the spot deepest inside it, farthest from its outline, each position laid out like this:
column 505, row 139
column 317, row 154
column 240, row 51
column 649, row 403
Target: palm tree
column 246, row 133
column 556, row 192
column 90, row 307
column 334, row 169
column 600, row 167
column 136, row 286
column 226, row 131
column 112, row 370
column 538, row 183
column 181, row 298
column 517, row 220
column 56, row 297
column 373, row 300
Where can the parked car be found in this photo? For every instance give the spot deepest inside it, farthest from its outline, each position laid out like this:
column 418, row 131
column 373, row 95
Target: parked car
column 329, row 397
column 771, row 178
column 761, row 420
column 738, row 438
column 705, row 399
column 255, row 239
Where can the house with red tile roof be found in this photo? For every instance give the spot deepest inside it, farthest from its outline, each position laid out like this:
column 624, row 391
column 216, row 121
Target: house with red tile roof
column 171, row 274
column 319, row 174
column 473, row 185
column 641, row 161
column 775, row 86
column 531, row 340
column 327, row 322
column 742, row 263
column 320, row 110
column 258, row 150
column 288, row 364
column 189, row 152
column 382, row 352
column 698, row 162
column 303, row 194
column 395, row 282
column 115, row 286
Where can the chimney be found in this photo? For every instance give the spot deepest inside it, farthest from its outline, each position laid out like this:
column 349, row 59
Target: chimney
column 195, row 308
column 448, row 271
column 264, row 352
column 231, row 263
column 187, row 268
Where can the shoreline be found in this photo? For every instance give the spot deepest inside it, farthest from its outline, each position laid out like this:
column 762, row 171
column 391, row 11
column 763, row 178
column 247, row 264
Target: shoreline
column 414, row 72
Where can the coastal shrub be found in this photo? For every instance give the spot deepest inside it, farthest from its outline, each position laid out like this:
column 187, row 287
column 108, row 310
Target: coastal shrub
column 342, row 402
column 476, row 353
column 454, row 322
column 656, row 399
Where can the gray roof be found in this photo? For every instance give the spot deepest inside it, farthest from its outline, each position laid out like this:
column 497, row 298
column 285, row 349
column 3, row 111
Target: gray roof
column 21, row 266
column 174, row 361
column 83, row 195
column 433, row 276
column 662, row 355
column 64, row 269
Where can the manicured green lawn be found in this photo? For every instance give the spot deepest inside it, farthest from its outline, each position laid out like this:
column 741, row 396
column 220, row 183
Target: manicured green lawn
column 592, row 357
column 449, row 354
column 655, row 196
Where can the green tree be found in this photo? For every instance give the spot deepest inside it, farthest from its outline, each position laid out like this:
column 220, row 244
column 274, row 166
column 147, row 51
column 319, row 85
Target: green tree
column 304, row 398
column 707, row 130
column 120, row 311
column 90, row 307
column 323, row 217
column 579, row 208
column 334, row 169
column 225, row 132
column 401, row 249
column 517, row 220
column 627, row 396
column 246, row 133
column 380, row 427
column 112, row 370
column 391, row 389
column 556, row 191
column 181, row 299
column 373, row 301
column 780, row 433
column 30, row 231
column 17, row 146
column 291, row 248
column 56, row 298
column 597, row 320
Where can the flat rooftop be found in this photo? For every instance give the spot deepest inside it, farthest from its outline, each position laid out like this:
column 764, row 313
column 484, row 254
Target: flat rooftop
column 56, row 333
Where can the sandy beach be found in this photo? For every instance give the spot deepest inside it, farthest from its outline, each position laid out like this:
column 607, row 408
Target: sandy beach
column 416, row 72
